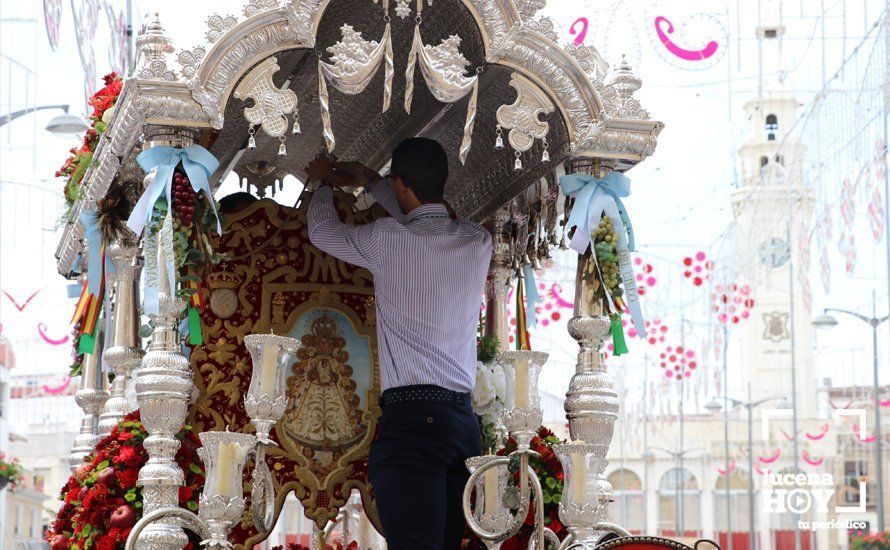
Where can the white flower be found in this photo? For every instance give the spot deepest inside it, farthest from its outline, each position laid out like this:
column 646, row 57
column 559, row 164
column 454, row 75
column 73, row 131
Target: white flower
column 106, row 116
column 489, row 394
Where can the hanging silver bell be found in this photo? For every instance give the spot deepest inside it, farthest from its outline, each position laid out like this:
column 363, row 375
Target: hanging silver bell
column 499, row 142
column 296, row 129
column 545, row 156
column 282, row 150
column 518, row 164
column 251, row 142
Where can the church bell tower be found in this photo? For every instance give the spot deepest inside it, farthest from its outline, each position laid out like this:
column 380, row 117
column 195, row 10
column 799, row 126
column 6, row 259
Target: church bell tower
column 771, row 190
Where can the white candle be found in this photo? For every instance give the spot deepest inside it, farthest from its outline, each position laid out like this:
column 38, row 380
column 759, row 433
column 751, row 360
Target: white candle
column 225, row 456
column 579, row 475
column 521, row 385
column 490, row 479
column 269, row 372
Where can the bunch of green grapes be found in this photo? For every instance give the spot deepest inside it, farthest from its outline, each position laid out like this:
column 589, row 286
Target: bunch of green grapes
column 604, row 246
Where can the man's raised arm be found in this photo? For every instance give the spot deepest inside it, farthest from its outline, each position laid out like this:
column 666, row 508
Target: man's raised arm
column 355, row 244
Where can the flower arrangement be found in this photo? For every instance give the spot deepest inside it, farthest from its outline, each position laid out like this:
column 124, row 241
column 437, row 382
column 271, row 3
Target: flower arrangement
column 75, row 167
column 336, row 546
column 489, row 394
column 102, row 501
column 549, row 470
column 867, row 541
column 11, row 473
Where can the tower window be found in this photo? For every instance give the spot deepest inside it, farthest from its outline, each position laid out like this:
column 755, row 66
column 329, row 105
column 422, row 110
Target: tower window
column 772, row 127
column 763, row 161
column 780, row 159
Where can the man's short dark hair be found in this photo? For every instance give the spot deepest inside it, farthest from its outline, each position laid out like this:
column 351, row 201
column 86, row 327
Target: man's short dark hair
column 423, row 166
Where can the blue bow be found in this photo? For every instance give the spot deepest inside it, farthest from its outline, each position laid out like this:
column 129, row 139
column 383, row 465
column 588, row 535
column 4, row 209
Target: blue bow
column 593, row 197
column 531, row 295
column 199, row 164
column 590, row 193
column 93, row 236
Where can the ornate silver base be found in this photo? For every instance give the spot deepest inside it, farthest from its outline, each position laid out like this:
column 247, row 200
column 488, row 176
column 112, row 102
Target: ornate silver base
column 91, row 401
column 121, row 361
column 163, row 390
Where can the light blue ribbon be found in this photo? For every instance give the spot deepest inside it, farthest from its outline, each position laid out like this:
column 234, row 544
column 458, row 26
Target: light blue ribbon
column 199, row 164
column 593, row 197
column 589, row 193
column 531, row 295
column 93, row 236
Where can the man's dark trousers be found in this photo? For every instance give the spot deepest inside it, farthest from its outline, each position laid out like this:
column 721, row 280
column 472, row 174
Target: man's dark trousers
column 418, row 473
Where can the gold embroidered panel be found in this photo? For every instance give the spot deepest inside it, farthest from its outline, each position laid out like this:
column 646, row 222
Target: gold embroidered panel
column 274, row 280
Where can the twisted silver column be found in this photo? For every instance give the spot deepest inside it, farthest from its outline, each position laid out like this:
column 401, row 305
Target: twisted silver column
column 498, row 283
column 126, row 354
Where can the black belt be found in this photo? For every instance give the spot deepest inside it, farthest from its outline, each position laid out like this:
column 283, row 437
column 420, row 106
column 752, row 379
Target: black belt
column 424, row 393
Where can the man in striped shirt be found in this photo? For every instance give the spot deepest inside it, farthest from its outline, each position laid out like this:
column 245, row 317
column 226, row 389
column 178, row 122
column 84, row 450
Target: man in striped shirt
column 429, row 274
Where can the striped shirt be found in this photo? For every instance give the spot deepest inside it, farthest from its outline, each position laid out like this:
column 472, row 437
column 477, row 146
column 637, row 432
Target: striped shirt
column 429, row 275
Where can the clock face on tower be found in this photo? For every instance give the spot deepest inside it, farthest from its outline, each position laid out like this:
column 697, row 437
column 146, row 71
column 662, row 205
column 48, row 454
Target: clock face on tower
column 774, row 252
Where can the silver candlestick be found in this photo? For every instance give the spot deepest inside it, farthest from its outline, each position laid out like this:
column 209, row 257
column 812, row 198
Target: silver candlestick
column 265, row 403
column 522, row 416
column 222, row 501
column 126, row 354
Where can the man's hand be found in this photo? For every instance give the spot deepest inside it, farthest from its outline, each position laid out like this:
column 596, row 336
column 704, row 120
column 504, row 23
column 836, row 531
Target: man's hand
column 354, row 174
column 319, row 170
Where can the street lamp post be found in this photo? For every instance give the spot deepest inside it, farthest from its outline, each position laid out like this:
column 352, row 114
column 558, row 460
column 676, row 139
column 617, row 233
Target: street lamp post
column 678, row 491
column 827, row 321
column 715, row 406
column 62, row 125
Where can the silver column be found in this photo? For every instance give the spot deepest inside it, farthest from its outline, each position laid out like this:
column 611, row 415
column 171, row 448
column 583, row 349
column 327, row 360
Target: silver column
column 163, row 391
column 591, row 403
column 498, row 283
column 90, row 397
column 125, row 354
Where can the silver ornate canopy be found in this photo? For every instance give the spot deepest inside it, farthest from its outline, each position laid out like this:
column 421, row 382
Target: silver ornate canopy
column 593, row 114
column 257, row 96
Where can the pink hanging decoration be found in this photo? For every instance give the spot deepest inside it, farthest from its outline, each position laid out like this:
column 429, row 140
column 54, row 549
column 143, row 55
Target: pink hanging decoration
column 663, row 27
column 678, row 363
column 547, row 310
column 847, row 240
column 876, row 214
column 723, row 472
column 21, row 306
column 41, row 329
column 50, row 390
column 820, row 434
column 869, row 439
column 732, row 303
column 697, row 268
column 555, row 292
column 582, row 34
column 809, row 460
column 645, row 277
column 771, row 458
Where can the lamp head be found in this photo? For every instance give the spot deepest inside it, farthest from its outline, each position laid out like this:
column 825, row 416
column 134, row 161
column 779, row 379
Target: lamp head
column 713, row 406
column 66, row 125
column 825, row 321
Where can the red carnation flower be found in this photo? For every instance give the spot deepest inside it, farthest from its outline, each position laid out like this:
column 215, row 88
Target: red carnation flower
column 127, row 478
column 185, row 493
column 127, row 456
